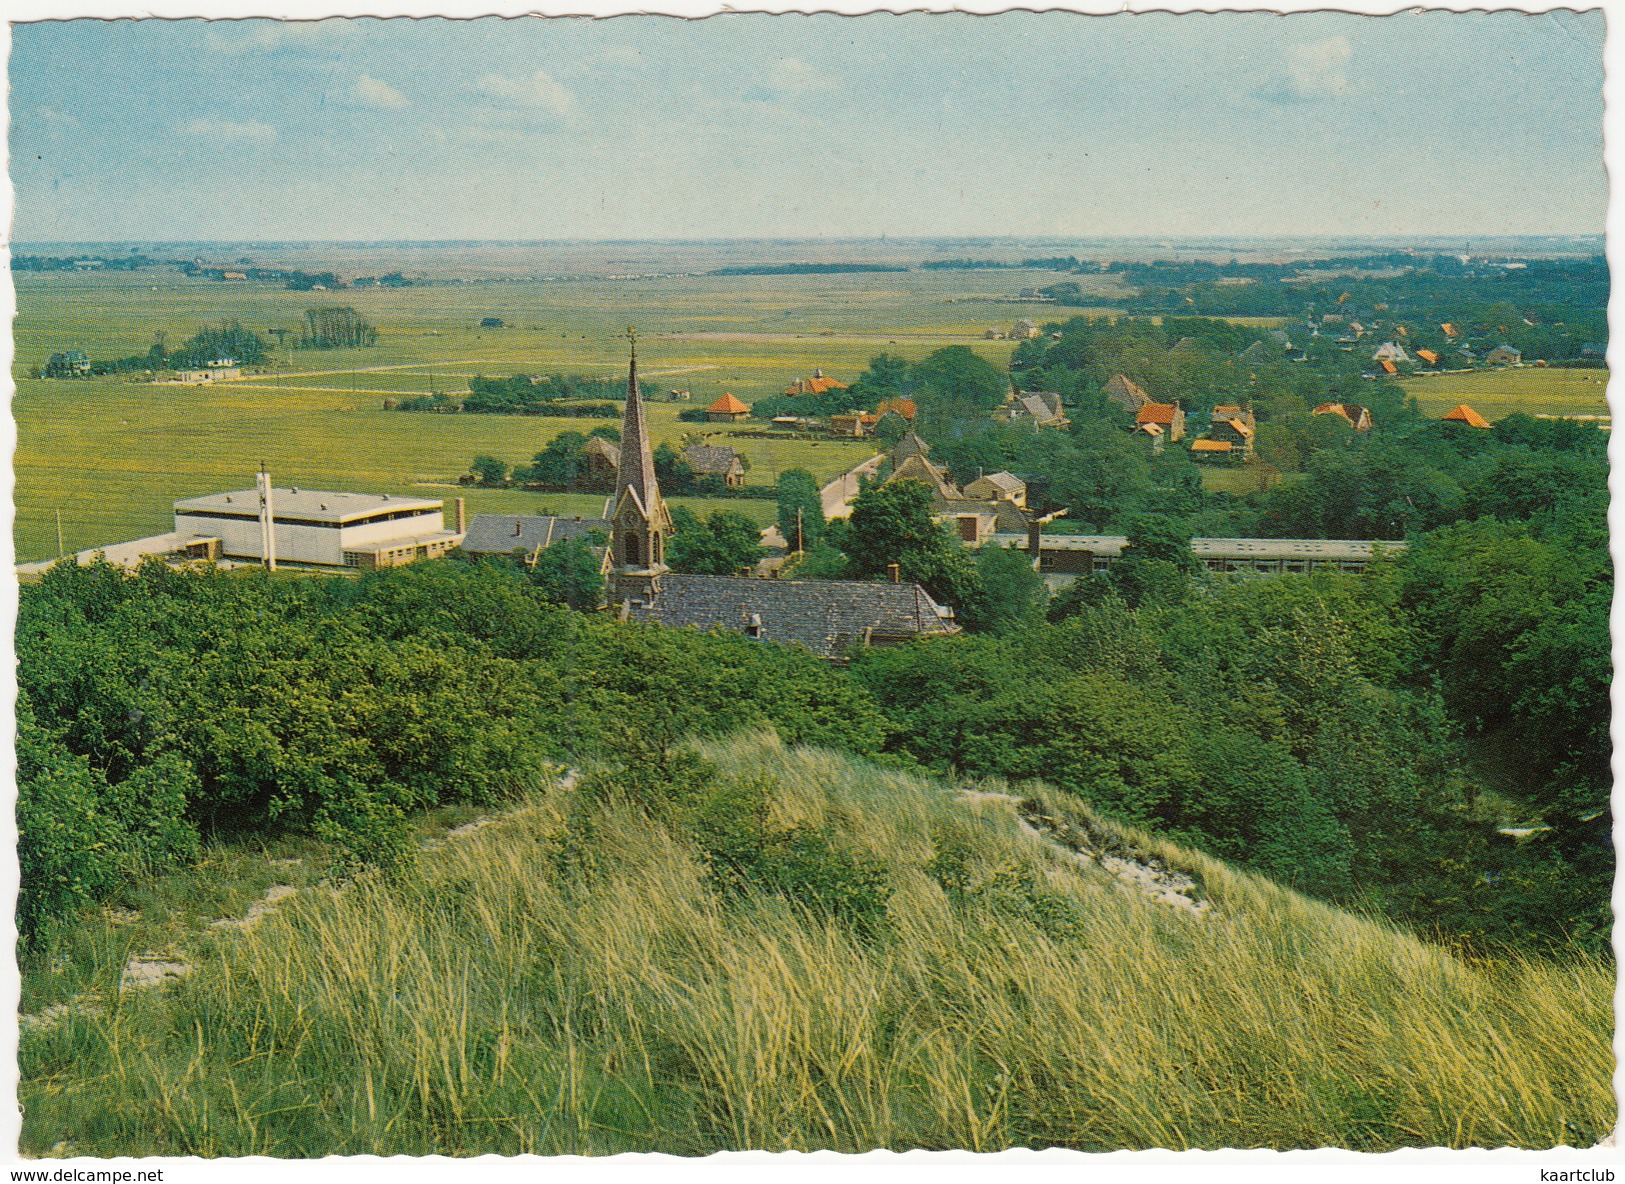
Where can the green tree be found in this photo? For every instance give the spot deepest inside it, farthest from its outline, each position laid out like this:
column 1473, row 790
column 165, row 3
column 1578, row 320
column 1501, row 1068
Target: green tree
column 724, row 545
column 801, row 509
column 490, row 471
column 568, row 573
column 559, row 463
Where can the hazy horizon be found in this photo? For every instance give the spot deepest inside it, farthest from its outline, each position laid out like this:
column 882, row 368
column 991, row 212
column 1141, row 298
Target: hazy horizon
column 1027, row 126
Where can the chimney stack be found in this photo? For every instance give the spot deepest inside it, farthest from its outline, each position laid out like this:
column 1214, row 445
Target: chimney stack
column 462, row 515
column 894, row 573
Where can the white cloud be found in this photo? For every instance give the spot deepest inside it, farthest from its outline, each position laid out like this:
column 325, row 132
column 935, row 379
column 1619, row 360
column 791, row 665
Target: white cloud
column 1314, row 73
column 227, row 129
column 376, row 93
column 539, row 91
column 242, row 38
column 1320, row 70
column 793, row 76
column 55, row 118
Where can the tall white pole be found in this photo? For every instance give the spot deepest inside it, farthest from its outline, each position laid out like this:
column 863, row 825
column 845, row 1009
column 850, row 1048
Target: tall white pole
column 267, row 521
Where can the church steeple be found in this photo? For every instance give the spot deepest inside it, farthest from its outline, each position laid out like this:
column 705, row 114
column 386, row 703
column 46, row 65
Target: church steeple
column 640, row 522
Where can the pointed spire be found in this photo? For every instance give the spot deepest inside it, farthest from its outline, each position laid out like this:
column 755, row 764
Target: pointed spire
column 637, row 469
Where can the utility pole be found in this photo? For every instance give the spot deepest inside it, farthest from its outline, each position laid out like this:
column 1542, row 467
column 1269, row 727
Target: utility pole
column 801, row 538
column 60, row 549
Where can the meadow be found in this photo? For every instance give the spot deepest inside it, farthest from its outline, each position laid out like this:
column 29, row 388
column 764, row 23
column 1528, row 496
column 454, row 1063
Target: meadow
column 113, row 454
column 1014, row 994
column 1532, row 390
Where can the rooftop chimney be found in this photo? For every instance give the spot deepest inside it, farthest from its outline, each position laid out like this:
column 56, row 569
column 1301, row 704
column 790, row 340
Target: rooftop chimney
column 894, row 573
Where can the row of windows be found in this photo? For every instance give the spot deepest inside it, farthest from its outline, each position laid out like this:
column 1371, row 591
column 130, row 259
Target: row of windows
column 283, row 520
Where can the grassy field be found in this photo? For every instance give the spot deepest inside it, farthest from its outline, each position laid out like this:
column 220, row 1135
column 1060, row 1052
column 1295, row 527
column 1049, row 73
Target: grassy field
column 112, row 455
column 496, row 1002
column 1494, row 393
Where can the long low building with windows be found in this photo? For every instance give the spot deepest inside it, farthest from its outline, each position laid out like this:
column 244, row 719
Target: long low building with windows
column 315, row 526
column 1064, row 557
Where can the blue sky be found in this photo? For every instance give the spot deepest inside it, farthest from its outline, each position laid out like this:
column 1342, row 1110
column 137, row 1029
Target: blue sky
column 761, row 126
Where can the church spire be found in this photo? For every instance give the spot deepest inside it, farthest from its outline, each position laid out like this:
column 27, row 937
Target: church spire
column 640, row 521
column 637, row 471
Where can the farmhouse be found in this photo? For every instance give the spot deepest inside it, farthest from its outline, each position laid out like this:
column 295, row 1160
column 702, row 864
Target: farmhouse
column 318, row 527
column 999, row 486
column 1040, row 409
column 1357, row 417
column 1390, row 351
column 1169, row 416
column 1504, row 355
column 1120, row 389
column 829, row 618
column 818, row 384
column 713, row 460
column 68, row 364
column 1025, row 330
column 603, row 458
column 854, row 423
column 726, row 410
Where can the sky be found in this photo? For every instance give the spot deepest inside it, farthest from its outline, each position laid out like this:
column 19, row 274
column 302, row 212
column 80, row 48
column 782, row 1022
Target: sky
column 746, row 126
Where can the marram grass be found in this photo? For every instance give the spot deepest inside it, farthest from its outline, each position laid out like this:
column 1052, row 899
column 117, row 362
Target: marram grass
column 486, row 1007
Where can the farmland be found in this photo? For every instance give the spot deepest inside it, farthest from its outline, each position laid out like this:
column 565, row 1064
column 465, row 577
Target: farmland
column 112, row 454
column 1532, row 390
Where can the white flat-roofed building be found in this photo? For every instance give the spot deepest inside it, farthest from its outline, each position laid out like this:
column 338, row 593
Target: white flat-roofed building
column 319, row 526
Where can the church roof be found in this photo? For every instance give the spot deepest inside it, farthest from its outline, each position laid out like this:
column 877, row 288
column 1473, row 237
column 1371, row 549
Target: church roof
column 824, row 617
column 729, row 404
column 498, row 534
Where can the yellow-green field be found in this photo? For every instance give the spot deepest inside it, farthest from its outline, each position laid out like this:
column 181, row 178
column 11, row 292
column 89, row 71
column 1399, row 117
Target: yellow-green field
column 112, row 455
column 1532, row 390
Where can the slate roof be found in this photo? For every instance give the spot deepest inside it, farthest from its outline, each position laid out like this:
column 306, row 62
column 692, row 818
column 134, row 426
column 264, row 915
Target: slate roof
column 499, row 534
column 909, row 445
column 712, row 459
column 826, row 617
column 1007, row 482
column 917, row 468
column 1121, row 389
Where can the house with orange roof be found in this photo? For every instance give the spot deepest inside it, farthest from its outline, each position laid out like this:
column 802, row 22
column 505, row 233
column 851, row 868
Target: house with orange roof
column 1450, row 330
column 1213, row 450
column 1461, row 413
column 854, row 423
column 727, row 410
column 1231, row 425
column 1169, row 416
column 818, row 384
column 1428, row 356
column 1388, row 367
column 907, row 408
column 1357, row 417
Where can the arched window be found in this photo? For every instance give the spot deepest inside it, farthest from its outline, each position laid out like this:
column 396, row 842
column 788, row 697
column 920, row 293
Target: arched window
column 629, row 548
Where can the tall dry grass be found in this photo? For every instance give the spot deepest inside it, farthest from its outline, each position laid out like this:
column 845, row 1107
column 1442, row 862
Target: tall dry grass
column 497, row 1004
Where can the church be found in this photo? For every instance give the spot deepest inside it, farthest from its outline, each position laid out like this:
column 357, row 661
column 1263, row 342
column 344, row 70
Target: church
column 829, row 618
